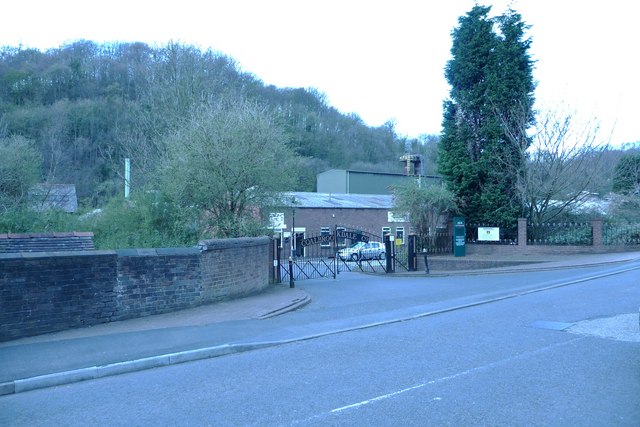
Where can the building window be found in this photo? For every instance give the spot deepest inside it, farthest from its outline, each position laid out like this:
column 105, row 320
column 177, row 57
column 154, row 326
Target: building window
column 385, row 231
column 400, row 234
column 325, row 231
column 340, row 242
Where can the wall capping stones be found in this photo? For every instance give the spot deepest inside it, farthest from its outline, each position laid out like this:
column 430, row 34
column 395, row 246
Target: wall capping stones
column 46, row 242
column 215, row 244
column 61, row 254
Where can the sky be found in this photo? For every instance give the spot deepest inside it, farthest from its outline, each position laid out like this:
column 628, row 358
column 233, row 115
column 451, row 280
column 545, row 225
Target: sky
column 382, row 60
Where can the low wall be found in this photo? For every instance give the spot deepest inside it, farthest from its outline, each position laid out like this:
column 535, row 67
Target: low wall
column 53, row 291
column 46, row 292
column 440, row 263
column 235, row 267
column 156, row 281
column 496, row 256
column 475, row 249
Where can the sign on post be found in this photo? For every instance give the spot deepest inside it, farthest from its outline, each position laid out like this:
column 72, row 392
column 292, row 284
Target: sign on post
column 459, row 236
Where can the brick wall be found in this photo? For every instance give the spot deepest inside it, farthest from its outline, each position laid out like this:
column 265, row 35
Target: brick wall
column 152, row 281
column 234, row 267
column 440, row 263
column 367, row 220
column 473, row 249
column 53, row 291
column 46, row 292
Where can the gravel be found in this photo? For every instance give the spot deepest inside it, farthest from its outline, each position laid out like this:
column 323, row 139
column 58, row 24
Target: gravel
column 623, row 327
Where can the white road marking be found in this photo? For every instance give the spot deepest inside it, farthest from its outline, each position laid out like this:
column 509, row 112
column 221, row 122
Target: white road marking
column 451, row 377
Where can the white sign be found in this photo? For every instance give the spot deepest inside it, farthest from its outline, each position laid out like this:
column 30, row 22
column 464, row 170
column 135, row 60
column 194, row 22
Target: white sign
column 397, row 218
column 489, row 234
column 276, row 220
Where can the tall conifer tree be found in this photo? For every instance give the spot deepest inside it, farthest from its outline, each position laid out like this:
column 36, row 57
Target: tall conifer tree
column 491, row 96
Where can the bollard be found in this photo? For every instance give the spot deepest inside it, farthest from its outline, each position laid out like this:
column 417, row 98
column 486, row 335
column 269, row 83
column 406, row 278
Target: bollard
column 426, row 261
column 291, row 282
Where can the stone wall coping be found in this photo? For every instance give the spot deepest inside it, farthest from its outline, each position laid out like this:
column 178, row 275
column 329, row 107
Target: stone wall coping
column 217, row 244
column 46, row 235
column 186, row 251
column 205, row 245
column 22, row 255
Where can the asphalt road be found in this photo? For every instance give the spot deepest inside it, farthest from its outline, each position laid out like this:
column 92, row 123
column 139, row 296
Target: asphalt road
column 496, row 350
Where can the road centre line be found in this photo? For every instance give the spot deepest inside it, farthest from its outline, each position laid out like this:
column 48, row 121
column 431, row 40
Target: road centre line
column 454, row 376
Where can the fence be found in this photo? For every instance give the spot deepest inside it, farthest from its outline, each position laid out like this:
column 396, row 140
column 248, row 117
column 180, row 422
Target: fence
column 567, row 235
column 621, row 234
column 560, row 234
column 438, row 243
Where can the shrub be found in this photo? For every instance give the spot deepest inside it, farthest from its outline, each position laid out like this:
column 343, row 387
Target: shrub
column 147, row 220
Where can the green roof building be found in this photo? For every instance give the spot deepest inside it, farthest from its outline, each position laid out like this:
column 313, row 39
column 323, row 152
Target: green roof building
column 340, row 181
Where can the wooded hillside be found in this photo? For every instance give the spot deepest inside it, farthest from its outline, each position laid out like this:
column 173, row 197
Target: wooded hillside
column 87, row 106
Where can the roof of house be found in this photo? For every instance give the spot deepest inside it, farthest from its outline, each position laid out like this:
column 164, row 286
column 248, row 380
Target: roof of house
column 54, row 196
column 340, row 201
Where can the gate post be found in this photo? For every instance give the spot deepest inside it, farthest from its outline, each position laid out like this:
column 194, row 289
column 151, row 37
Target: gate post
column 412, row 254
column 335, row 250
column 388, row 250
column 278, row 251
column 522, row 231
column 291, row 282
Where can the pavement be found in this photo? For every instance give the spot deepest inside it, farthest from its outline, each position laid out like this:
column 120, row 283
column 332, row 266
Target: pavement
column 194, row 334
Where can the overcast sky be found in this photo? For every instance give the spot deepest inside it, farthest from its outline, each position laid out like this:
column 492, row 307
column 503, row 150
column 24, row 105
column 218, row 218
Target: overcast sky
column 383, row 60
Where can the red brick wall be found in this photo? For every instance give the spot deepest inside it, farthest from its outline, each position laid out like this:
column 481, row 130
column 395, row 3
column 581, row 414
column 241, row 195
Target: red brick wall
column 367, row 220
column 544, row 249
column 45, row 292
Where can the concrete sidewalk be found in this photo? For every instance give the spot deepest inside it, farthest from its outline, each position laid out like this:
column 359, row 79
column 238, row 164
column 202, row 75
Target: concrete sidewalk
column 129, row 345
column 193, row 334
column 523, row 263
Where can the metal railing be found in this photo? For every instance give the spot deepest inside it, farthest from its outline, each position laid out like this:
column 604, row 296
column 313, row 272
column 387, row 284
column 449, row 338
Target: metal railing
column 562, row 234
column 438, row 243
column 621, row 234
column 507, row 234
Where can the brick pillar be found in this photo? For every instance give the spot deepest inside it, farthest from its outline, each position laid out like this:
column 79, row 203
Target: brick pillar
column 596, row 229
column 522, row 232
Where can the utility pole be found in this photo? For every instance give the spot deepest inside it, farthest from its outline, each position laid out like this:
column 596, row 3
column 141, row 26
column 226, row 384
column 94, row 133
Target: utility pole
column 127, row 177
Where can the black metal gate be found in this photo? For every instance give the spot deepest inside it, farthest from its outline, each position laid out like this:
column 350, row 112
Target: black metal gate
column 304, row 257
column 341, row 249
column 357, row 250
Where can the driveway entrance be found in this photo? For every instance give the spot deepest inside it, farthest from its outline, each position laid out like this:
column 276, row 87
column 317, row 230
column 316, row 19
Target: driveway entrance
column 312, row 256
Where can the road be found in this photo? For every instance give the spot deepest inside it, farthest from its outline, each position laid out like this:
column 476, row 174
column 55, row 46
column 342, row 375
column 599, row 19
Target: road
column 513, row 349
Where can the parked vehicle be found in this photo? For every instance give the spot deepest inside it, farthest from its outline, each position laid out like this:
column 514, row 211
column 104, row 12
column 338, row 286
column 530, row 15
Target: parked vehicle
column 361, row 251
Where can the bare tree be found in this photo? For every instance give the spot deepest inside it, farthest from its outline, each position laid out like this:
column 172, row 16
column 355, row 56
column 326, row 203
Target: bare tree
column 229, row 162
column 562, row 163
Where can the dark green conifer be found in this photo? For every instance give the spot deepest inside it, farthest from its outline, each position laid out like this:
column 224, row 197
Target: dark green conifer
column 486, row 115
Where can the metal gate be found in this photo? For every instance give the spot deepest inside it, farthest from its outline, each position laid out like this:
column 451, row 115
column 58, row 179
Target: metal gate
column 310, row 256
column 303, row 257
column 362, row 251
column 357, row 250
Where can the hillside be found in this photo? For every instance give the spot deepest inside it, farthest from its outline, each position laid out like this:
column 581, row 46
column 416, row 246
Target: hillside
column 87, row 106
